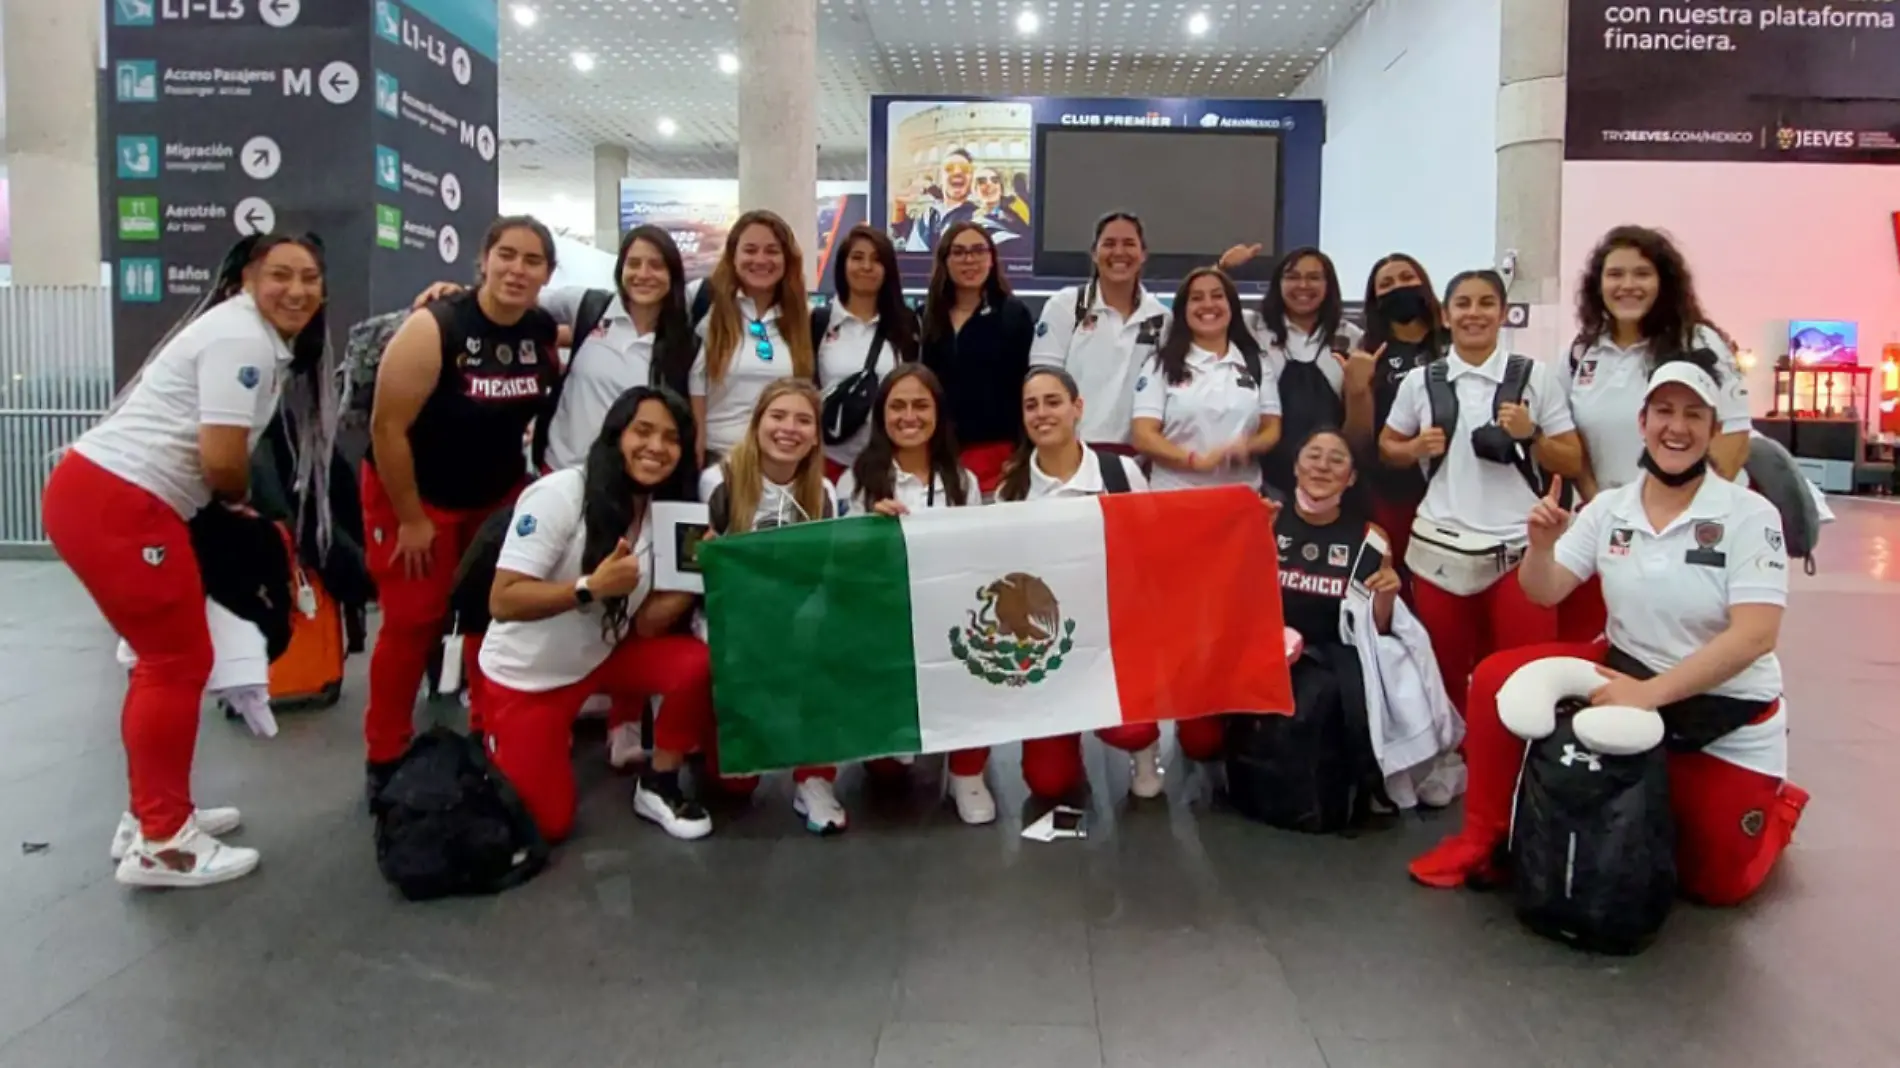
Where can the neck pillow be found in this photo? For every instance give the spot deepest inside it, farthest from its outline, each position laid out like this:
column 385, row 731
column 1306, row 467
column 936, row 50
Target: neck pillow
column 1528, row 705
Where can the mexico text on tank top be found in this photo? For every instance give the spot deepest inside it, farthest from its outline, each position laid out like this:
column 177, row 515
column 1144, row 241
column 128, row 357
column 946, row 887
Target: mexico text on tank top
column 1315, row 565
column 1308, row 402
column 1400, row 486
column 467, row 440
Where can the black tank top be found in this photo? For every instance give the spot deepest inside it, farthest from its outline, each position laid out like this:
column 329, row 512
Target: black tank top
column 495, row 379
column 1315, row 565
column 1398, row 486
column 1307, row 402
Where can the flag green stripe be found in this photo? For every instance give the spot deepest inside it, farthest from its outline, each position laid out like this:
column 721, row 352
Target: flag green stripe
column 811, row 644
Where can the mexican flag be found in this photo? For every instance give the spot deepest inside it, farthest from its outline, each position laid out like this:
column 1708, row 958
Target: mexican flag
column 846, row 639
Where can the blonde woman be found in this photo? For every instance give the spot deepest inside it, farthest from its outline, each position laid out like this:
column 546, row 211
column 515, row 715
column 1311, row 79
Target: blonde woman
column 755, row 321
column 775, row 476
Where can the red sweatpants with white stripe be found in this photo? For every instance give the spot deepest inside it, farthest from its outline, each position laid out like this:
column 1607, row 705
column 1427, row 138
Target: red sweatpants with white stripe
column 1732, row 823
column 1465, row 630
column 1052, row 767
column 415, row 611
column 530, row 734
column 133, row 554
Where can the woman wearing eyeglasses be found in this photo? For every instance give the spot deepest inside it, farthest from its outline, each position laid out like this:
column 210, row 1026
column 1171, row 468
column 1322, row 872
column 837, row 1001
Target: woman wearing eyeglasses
column 757, row 329
column 976, row 340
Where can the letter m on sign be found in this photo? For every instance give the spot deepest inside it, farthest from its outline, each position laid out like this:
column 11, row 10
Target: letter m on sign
column 296, row 82
column 468, row 135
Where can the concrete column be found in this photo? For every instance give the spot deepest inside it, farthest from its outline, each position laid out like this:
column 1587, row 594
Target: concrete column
column 1531, row 92
column 778, row 115
column 52, row 63
column 610, row 166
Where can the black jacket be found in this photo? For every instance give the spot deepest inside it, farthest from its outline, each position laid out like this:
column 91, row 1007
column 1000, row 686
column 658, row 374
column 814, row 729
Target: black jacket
column 982, row 368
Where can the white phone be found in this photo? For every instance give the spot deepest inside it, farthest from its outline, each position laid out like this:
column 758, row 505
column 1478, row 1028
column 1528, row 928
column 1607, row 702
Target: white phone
column 1372, row 556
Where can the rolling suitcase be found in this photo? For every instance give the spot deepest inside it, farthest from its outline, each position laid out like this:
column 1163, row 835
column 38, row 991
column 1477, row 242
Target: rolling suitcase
column 310, row 673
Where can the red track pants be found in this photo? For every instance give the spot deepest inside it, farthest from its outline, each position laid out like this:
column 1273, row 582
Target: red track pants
column 1052, row 767
column 1731, row 822
column 133, row 554
column 415, row 611
column 530, row 734
column 1465, row 630
column 1582, row 615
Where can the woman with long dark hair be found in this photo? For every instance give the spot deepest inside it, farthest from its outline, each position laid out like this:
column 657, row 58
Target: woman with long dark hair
column 869, row 310
column 1205, row 407
column 1405, row 330
column 1486, row 463
column 756, row 330
column 1104, row 331
column 456, row 391
column 910, row 465
column 977, row 338
column 116, row 506
column 575, row 614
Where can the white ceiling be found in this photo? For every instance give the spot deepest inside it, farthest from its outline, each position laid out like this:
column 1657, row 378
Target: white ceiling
column 659, row 58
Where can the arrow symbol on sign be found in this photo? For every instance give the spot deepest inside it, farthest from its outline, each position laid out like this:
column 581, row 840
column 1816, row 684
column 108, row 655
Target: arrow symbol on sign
column 337, row 81
column 256, row 219
column 277, row 7
column 261, row 157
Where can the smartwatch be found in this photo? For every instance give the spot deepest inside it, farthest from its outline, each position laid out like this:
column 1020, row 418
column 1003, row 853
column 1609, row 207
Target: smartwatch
column 582, row 595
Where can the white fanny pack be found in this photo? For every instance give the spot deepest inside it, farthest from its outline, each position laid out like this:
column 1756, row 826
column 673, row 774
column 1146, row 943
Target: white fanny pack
column 1458, row 561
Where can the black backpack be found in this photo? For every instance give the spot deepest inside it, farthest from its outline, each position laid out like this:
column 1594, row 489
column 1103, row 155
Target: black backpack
column 1444, row 405
column 449, row 824
column 1593, row 843
column 1308, row 771
column 848, row 406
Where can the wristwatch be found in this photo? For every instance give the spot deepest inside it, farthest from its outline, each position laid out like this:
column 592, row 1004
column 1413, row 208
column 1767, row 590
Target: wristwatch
column 582, row 595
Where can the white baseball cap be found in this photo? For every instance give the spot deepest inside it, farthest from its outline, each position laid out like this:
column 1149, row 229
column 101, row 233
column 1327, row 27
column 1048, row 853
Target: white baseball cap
column 1684, row 373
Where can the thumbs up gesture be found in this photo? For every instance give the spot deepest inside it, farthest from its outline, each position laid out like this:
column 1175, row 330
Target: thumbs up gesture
column 1548, row 519
column 617, row 575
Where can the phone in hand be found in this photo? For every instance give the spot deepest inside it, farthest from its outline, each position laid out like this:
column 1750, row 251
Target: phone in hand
column 1372, row 556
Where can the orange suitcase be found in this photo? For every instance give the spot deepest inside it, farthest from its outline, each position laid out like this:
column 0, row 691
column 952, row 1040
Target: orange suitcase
column 310, row 673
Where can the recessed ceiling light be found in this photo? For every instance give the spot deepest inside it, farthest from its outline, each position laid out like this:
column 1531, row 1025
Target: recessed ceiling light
column 668, row 127
column 524, row 15
column 1028, row 22
column 728, row 63
column 1197, row 23
column 583, row 62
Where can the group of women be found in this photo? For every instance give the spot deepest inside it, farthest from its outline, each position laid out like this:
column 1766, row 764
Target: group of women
column 1418, row 428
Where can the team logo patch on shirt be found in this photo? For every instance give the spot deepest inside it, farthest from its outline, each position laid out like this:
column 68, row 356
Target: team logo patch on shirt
column 1620, row 539
column 475, row 345
column 1089, row 321
column 1773, row 537
column 1042, row 329
column 524, row 525
column 1338, row 555
column 502, row 387
column 1286, row 542
column 248, row 377
column 1309, row 552
column 504, row 354
column 528, row 357
column 1141, row 383
column 1708, row 534
column 1587, row 372
column 834, row 333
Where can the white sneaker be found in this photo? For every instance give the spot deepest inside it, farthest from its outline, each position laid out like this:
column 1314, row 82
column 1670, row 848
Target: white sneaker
column 212, row 821
column 818, row 803
column 623, row 746
column 975, row 806
column 192, row 858
column 676, row 816
column 1146, row 769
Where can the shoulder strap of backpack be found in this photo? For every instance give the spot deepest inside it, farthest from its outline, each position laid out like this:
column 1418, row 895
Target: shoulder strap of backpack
column 593, row 308
column 1114, row 475
column 702, row 303
column 1517, row 379
column 1082, row 294
column 1578, row 347
column 1443, row 400
column 1251, row 359
column 719, row 509
column 820, row 326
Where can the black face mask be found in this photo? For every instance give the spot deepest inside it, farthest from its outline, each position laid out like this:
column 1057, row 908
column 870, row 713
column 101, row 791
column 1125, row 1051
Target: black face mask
column 1405, row 304
column 1682, row 478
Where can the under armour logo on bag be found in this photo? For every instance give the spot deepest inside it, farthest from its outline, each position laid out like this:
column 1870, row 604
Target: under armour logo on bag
column 1573, row 756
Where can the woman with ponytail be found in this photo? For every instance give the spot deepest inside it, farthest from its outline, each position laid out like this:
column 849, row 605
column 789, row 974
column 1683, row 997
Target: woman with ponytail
column 575, row 614
column 179, row 441
column 1405, row 330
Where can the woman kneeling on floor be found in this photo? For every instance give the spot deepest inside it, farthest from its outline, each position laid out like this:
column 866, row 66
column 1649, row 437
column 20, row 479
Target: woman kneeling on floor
column 575, row 614
column 1695, row 576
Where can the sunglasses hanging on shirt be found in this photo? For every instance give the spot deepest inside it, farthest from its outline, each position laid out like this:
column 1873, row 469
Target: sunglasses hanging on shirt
column 760, row 343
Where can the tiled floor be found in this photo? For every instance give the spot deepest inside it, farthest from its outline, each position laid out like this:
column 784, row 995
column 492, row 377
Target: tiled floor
column 1173, row 936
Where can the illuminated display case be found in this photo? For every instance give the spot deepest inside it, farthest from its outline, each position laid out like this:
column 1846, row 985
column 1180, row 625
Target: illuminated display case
column 1822, row 392
column 1820, row 413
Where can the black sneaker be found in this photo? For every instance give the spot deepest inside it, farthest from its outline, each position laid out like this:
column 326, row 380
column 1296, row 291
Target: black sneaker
column 376, row 777
column 657, row 798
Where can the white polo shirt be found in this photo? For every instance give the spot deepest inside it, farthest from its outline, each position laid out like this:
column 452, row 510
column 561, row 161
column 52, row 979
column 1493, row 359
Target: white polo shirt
column 1219, row 404
column 1086, row 482
column 778, row 505
column 841, row 354
column 1102, row 353
column 545, row 541
column 729, row 402
column 1477, row 495
column 1301, row 347
column 906, row 489
column 225, row 368
column 1607, row 391
column 1669, row 592
column 616, row 358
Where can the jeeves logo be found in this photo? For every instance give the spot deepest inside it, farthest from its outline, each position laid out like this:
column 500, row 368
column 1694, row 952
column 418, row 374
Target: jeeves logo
column 1790, row 138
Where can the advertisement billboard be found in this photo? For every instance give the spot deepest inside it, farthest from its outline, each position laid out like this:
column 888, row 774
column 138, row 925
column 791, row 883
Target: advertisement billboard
column 698, row 213
column 937, row 161
column 1788, row 81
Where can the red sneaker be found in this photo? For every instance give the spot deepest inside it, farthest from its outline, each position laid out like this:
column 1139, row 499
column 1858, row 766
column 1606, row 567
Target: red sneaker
column 1457, row 861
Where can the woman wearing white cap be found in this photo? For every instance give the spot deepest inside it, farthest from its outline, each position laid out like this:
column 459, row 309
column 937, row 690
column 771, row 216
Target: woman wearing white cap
column 1637, row 307
column 1206, row 408
column 1103, row 332
column 1695, row 576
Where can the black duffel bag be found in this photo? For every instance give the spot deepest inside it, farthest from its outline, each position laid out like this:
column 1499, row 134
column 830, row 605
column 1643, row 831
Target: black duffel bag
column 448, row 823
column 1309, row 771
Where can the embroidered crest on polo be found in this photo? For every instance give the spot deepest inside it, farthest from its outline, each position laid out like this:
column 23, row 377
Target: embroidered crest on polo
column 1016, row 635
column 1708, row 534
column 248, row 377
column 524, row 525
column 1042, row 329
column 1773, row 537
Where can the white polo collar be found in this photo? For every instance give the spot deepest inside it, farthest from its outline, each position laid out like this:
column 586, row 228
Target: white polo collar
column 1087, row 477
column 751, row 310
column 278, row 345
column 1200, row 357
column 1492, row 368
column 1711, row 501
column 1147, row 305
